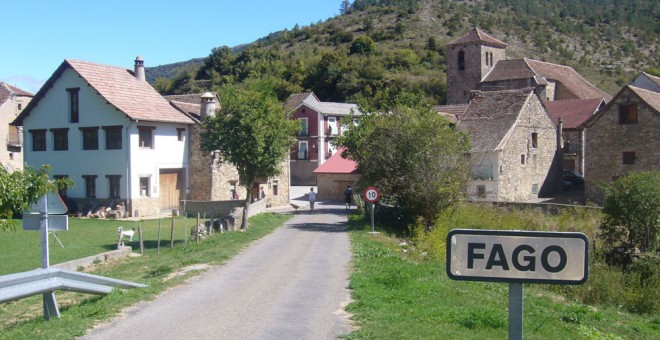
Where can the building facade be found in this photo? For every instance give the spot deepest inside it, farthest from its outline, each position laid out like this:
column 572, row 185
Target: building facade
column 12, row 102
column 622, row 138
column 514, row 146
column 321, row 123
column 112, row 134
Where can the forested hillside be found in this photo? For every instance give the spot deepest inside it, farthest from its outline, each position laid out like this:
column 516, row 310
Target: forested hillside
column 377, row 49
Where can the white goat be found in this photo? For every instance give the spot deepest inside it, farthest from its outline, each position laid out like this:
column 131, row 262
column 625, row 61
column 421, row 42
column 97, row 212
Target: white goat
column 124, row 234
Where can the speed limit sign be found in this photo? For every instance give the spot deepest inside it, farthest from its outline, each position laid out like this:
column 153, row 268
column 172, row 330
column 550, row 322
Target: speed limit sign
column 371, row 194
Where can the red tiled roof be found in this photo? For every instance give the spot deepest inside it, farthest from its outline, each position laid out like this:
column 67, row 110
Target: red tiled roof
column 336, row 164
column 477, row 35
column 117, row 85
column 649, row 97
column 573, row 112
column 451, row 112
column 527, row 68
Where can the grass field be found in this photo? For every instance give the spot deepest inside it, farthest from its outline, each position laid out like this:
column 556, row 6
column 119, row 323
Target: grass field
column 21, row 250
column 400, row 297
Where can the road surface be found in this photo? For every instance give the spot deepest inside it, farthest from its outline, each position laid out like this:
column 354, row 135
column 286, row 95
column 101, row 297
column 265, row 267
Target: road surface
column 292, row 284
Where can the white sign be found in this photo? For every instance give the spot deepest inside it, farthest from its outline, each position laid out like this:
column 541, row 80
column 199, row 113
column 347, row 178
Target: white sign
column 55, row 205
column 517, row 256
column 371, row 194
column 55, row 222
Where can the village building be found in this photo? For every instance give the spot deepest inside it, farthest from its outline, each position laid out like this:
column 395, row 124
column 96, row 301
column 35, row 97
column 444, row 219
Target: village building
column 514, row 146
column 12, row 102
column 211, row 179
column 477, row 61
column 334, row 175
column 647, row 82
column 569, row 115
column 622, row 138
column 320, row 124
column 121, row 143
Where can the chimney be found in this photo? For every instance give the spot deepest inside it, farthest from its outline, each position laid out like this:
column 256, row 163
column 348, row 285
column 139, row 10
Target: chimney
column 560, row 136
column 139, row 69
column 208, row 105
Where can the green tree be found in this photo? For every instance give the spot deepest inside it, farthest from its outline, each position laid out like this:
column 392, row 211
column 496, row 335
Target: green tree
column 20, row 188
column 362, row 45
column 345, row 7
column 414, row 156
column 252, row 132
column 632, row 211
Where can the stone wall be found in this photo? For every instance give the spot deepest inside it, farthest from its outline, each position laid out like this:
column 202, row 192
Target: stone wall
column 302, row 172
column 331, row 186
column 540, row 173
column 11, row 155
column 145, row 206
column 461, row 82
column 606, row 140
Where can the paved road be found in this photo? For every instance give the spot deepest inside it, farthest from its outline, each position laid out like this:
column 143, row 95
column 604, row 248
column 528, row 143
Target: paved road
column 291, row 284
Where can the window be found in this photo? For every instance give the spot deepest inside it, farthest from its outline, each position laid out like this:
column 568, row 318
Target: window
column 535, row 188
column 461, row 61
column 20, row 106
column 144, row 186
column 535, row 140
column 629, row 157
column 332, row 126
column 233, row 194
column 90, row 138
column 114, row 182
column 145, row 137
column 628, row 114
column 90, row 186
column 481, row 191
column 179, row 134
column 38, row 140
column 303, row 127
column 302, row 150
column 522, row 159
column 62, row 192
column 73, row 104
column 60, row 139
column 112, row 137
column 276, row 187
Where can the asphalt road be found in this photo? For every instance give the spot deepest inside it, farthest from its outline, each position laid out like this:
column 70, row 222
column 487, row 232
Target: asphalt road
column 292, row 284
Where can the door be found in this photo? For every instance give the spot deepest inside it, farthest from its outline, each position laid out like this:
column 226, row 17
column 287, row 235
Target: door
column 170, row 189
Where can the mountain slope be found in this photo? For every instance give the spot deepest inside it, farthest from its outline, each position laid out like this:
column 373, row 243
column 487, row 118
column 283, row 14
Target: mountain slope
column 379, row 49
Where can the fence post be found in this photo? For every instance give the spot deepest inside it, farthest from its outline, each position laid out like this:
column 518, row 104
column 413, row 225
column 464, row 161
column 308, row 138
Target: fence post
column 197, row 230
column 158, row 246
column 172, row 234
column 141, row 240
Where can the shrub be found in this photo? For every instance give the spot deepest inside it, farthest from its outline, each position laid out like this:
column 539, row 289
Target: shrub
column 632, row 211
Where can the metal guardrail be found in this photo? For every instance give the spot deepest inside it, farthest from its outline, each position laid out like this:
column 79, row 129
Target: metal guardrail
column 40, row 281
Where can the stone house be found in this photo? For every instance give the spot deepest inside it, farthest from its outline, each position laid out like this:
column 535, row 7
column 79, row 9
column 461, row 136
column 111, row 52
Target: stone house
column 623, row 137
column 321, row 123
column 647, row 81
column 334, row 175
column 569, row 115
column 105, row 128
column 477, row 61
column 211, row 179
column 12, row 102
column 514, row 146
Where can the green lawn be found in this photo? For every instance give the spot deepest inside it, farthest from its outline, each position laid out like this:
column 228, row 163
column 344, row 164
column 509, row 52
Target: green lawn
column 396, row 297
column 21, row 250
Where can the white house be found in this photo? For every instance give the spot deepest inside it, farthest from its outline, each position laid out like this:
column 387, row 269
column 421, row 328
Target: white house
column 114, row 135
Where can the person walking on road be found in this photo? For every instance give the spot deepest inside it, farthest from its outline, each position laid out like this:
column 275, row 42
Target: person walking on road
column 348, row 196
column 312, row 198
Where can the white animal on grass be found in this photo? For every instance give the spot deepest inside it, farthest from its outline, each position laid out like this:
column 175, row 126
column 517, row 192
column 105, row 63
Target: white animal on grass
column 125, row 234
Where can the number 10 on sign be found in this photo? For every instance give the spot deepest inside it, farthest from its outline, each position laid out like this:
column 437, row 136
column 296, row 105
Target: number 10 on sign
column 371, row 195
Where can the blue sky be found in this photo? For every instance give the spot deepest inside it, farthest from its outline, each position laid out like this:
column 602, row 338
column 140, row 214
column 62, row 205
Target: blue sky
column 39, row 34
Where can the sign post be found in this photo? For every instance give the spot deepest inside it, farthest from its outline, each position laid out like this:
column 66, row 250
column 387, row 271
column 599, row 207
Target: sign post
column 38, row 218
column 517, row 257
column 371, row 195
